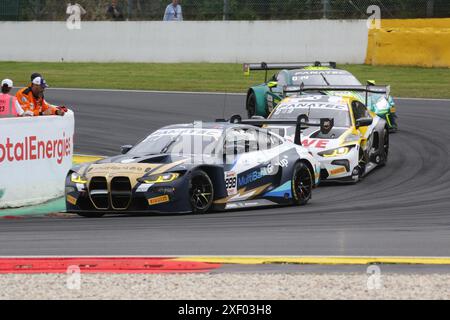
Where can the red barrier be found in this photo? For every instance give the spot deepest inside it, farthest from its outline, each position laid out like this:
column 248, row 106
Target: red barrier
column 102, row 265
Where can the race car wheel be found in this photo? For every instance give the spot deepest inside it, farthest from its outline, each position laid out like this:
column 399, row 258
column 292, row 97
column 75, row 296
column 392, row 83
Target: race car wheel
column 385, row 147
column 359, row 170
column 251, row 105
column 91, row 214
column 302, row 184
column 201, row 192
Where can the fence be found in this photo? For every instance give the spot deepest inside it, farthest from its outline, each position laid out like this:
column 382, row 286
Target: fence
column 55, row 10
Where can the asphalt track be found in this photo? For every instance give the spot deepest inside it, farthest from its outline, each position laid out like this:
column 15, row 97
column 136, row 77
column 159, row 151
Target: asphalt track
column 400, row 210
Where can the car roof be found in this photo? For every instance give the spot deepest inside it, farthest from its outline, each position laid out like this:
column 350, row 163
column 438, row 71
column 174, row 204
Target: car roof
column 221, row 125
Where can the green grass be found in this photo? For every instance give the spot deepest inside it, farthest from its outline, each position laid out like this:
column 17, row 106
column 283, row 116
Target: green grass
column 405, row 81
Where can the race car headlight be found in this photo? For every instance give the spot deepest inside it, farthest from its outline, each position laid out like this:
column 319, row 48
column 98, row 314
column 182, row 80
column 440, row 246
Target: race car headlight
column 76, row 178
column 160, row 178
column 342, row 151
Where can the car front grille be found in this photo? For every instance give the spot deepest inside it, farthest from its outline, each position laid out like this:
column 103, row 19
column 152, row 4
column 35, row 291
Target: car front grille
column 98, row 192
column 120, row 193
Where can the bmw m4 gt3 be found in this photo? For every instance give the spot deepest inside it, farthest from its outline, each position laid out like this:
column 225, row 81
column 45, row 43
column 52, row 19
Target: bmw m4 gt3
column 195, row 168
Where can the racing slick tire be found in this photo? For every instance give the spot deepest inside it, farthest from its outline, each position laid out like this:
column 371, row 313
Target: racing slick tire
column 360, row 169
column 302, row 184
column 201, row 192
column 385, row 151
column 251, row 104
column 91, row 214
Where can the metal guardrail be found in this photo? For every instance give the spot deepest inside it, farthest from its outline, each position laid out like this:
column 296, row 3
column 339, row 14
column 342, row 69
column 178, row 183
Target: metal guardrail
column 51, row 10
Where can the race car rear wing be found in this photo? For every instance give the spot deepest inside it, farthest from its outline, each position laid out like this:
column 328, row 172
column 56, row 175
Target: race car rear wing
column 302, row 122
column 289, row 66
column 367, row 89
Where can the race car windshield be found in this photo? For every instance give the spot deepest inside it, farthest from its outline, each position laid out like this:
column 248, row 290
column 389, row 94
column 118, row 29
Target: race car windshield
column 340, row 114
column 309, row 80
column 179, row 141
column 325, row 79
column 341, row 80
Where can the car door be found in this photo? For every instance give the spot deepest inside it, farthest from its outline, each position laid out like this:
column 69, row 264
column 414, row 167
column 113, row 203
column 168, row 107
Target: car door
column 247, row 171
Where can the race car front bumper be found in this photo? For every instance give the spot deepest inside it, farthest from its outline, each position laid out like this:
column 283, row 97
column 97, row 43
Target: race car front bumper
column 341, row 169
column 143, row 198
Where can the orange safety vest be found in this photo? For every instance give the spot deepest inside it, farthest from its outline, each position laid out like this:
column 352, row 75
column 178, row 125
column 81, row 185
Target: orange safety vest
column 7, row 106
column 28, row 102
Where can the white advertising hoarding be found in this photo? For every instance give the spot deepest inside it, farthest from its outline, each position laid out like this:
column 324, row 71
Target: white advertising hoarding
column 35, row 156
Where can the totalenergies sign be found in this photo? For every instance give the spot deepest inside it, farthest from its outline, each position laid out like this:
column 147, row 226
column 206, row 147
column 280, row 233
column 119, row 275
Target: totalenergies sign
column 32, row 148
column 35, row 157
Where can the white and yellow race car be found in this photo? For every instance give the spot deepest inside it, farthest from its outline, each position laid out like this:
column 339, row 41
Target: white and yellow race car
column 350, row 143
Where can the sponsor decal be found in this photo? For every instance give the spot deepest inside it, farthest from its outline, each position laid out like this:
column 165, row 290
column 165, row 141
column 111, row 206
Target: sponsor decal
column 71, row 200
column 215, row 133
column 138, row 168
column 315, row 143
column 337, row 171
column 158, row 200
column 231, row 182
column 288, row 108
column 32, row 148
column 254, row 176
column 284, row 163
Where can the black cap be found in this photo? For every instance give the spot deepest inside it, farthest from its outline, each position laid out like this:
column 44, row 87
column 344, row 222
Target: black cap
column 35, row 75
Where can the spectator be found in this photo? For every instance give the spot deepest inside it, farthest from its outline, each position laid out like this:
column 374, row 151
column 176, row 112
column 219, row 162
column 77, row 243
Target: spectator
column 114, row 12
column 9, row 107
column 75, row 9
column 32, row 99
column 173, row 12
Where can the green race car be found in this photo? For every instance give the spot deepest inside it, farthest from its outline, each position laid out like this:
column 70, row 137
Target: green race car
column 262, row 99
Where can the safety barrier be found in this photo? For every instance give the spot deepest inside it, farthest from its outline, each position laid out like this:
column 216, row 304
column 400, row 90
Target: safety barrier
column 35, row 156
column 413, row 42
column 189, row 41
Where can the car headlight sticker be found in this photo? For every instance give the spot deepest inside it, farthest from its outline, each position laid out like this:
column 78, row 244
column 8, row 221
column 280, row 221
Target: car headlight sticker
column 342, row 151
column 77, row 178
column 161, row 178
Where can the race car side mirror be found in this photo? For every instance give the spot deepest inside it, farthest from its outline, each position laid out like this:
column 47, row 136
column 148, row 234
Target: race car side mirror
column 371, row 82
column 124, row 149
column 363, row 122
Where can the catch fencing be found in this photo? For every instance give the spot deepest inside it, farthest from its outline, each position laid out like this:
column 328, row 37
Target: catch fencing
column 195, row 10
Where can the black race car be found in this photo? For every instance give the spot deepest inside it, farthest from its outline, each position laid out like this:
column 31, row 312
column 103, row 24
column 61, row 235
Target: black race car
column 196, row 168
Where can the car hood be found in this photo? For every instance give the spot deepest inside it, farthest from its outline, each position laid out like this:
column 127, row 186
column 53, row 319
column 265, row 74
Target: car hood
column 141, row 165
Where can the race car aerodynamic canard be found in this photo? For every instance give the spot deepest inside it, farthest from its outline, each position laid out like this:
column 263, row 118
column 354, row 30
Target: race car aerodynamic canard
column 263, row 98
column 196, row 168
column 350, row 145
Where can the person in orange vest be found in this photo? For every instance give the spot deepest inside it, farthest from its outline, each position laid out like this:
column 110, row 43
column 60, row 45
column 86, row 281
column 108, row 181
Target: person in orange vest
column 9, row 107
column 32, row 99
